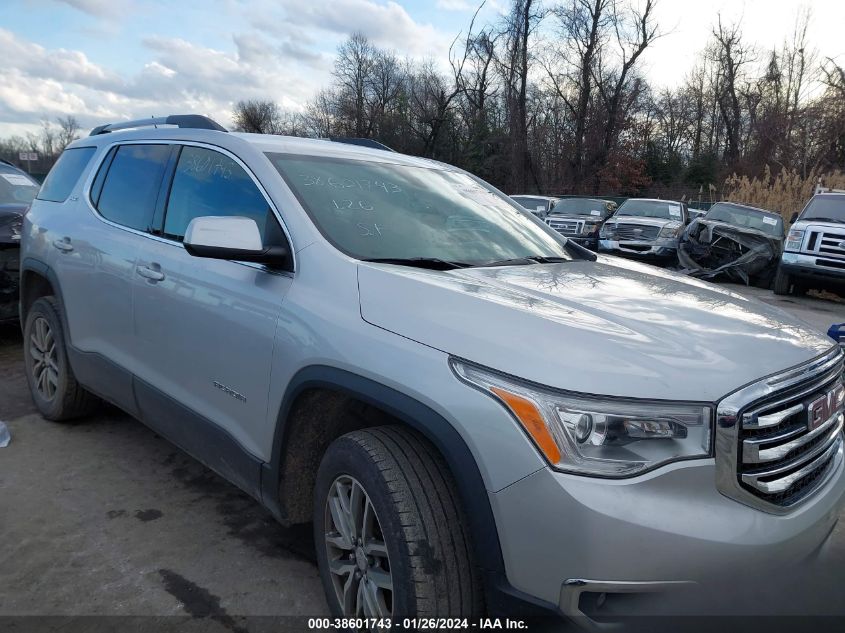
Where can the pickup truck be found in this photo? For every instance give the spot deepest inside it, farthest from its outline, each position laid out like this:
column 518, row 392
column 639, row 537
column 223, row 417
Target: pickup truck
column 814, row 252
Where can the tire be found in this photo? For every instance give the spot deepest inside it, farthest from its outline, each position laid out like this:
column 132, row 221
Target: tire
column 53, row 387
column 413, row 501
column 799, row 289
column 781, row 283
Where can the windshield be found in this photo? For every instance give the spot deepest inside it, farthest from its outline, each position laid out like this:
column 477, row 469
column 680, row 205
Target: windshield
column 374, row 210
column 581, row 206
column 16, row 188
column 746, row 217
column 651, row 209
column 535, row 204
column 827, row 208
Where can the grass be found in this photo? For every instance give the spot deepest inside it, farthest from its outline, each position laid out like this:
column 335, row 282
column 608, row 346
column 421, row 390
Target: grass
column 785, row 193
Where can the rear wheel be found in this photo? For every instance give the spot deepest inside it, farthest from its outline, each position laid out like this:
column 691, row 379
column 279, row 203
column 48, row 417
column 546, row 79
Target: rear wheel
column 391, row 541
column 52, row 384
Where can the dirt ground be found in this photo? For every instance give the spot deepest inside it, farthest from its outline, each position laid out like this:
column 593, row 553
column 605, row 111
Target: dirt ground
column 103, row 517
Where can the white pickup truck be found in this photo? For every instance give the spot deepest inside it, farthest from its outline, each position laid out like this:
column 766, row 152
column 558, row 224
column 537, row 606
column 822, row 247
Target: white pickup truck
column 814, row 253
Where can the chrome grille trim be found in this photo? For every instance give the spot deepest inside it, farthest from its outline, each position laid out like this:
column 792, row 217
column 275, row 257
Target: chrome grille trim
column 827, row 243
column 635, row 232
column 566, row 227
column 783, row 484
column 753, row 454
column 775, row 469
column 750, row 421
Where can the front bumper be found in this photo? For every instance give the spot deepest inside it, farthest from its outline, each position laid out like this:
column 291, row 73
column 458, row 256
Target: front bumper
column 669, row 529
column 656, row 249
column 813, row 267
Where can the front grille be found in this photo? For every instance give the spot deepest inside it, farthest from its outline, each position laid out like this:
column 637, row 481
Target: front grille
column 778, row 441
column 830, row 243
column 566, row 227
column 634, row 232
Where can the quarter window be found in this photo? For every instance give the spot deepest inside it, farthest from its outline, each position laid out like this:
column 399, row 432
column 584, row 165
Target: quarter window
column 132, row 184
column 64, row 174
column 208, row 183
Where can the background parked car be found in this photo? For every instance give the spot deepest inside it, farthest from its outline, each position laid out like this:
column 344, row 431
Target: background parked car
column 538, row 205
column 696, row 213
column 17, row 189
column 580, row 219
column 645, row 228
column 814, row 253
column 736, row 241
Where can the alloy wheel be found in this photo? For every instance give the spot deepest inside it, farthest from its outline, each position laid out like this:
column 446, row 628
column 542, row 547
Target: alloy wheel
column 45, row 365
column 357, row 552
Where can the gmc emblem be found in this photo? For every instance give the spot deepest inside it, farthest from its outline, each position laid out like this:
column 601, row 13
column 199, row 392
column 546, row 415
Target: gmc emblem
column 824, row 407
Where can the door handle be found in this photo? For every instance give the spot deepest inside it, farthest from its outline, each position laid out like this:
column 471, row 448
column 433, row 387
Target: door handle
column 152, row 272
column 63, row 245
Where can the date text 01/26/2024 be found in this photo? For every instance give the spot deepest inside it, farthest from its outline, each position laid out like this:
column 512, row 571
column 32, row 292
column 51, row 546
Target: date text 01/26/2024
column 416, row 624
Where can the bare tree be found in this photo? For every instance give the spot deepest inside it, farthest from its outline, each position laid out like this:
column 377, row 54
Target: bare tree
column 524, row 17
column 257, row 116
column 353, row 68
column 731, row 55
column 68, row 131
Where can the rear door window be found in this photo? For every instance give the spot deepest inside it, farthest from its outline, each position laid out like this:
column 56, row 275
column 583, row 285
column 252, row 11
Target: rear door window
column 131, row 185
column 208, row 183
column 64, row 174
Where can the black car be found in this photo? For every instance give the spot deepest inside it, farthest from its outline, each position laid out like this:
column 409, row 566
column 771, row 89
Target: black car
column 580, row 219
column 17, row 190
column 735, row 241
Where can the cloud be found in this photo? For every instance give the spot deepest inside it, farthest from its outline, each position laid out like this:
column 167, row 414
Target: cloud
column 454, row 5
column 276, row 49
column 179, row 77
column 386, row 24
column 97, row 8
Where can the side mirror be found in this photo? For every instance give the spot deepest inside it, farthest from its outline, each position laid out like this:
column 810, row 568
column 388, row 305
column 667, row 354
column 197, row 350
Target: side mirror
column 793, row 218
column 234, row 238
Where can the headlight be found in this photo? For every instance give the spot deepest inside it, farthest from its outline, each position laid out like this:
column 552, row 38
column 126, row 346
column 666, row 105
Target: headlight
column 794, row 239
column 591, row 435
column 669, row 231
column 606, row 231
column 590, row 229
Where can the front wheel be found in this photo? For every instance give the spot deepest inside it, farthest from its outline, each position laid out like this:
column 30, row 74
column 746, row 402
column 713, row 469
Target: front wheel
column 390, row 537
column 781, row 283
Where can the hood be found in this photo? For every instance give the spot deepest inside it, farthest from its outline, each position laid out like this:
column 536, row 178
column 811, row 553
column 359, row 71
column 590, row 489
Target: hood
column 633, row 219
column 808, row 225
column 606, row 327
column 589, row 219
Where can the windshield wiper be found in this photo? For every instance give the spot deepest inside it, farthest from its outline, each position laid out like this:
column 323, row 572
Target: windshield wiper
column 431, row 263
column 525, row 261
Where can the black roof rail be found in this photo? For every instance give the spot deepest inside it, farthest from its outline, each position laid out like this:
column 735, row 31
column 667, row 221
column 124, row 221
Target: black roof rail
column 193, row 121
column 363, row 142
column 6, row 162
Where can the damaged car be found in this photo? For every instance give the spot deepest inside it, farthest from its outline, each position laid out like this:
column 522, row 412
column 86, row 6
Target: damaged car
column 733, row 241
column 581, row 219
column 17, row 190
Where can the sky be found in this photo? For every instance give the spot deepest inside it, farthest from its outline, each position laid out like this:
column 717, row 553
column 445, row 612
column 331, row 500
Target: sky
column 110, row 60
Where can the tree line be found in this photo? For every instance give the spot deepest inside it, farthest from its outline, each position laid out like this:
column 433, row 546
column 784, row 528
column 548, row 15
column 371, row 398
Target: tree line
column 552, row 99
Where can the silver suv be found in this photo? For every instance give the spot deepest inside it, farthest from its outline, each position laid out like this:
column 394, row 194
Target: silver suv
column 475, row 413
